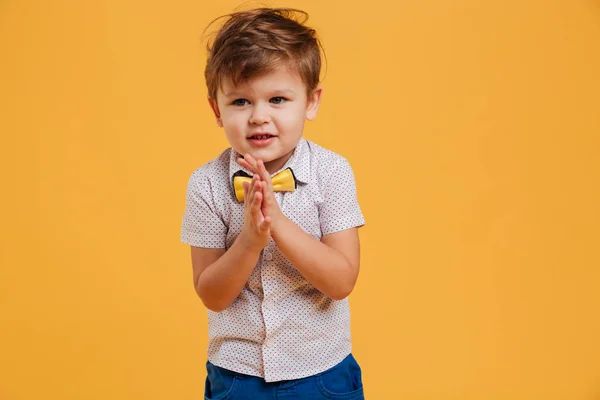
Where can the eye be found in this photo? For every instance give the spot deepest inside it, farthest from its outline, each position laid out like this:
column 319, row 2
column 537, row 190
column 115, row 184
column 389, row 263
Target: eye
column 278, row 100
column 239, row 102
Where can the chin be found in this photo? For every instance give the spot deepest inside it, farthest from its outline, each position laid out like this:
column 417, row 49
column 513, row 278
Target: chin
column 265, row 154
column 264, row 159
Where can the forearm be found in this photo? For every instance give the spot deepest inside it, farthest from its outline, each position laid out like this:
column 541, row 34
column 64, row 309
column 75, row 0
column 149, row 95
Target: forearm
column 325, row 268
column 223, row 280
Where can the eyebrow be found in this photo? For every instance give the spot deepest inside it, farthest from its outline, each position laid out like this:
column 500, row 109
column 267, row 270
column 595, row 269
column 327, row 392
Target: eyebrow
column 274, row 92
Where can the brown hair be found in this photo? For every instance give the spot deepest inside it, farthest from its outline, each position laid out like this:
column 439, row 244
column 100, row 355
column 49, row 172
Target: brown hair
column 256, row 41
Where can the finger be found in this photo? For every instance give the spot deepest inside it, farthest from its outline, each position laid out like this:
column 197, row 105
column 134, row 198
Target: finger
column 248, row 193
column 266, row 224
column 246, row 186
column 259, row 190
column 260, row 166
column 246, row 165
column 268, row 201
column 251, row 166
column 255, row 186
column 261, row 187
column 255, row 210
column 258, row 198
column 252, row 189
column 262, row 170
column 251, row 161
column 265, row 206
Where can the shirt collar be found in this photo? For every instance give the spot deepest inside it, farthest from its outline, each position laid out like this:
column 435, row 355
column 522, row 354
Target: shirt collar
column 299, row 162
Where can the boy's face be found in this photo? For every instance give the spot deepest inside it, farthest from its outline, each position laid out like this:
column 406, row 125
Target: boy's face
column 265, row 115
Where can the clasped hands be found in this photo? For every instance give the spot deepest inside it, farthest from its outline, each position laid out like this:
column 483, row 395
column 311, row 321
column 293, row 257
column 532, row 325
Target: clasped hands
column 261, row 211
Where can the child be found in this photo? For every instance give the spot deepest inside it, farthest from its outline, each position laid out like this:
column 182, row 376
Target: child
column 274, row 257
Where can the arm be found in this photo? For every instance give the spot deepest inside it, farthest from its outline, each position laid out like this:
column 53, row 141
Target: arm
column 220, row 275
column 331, row 265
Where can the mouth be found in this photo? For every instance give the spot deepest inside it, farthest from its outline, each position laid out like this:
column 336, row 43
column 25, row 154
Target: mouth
column 261, row 139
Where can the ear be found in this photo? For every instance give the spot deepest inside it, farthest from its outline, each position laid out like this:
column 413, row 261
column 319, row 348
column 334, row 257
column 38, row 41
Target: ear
column 313, row 102
column 215, row 108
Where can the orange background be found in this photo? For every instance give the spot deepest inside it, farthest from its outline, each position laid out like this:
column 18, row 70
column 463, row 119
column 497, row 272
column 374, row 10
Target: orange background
column 473, row 130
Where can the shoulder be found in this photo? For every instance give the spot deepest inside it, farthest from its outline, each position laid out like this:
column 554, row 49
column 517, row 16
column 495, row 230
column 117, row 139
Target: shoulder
column 325, row 162
column 212, row 174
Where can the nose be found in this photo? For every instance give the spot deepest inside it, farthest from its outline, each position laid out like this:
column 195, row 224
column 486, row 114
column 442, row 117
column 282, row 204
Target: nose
column 259, row 116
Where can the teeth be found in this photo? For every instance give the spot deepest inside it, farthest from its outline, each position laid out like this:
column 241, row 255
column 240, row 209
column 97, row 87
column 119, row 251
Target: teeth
column 260, row 137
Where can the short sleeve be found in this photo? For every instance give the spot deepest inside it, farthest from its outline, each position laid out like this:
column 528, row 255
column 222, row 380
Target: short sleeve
column 340, row 209
column 201, row 226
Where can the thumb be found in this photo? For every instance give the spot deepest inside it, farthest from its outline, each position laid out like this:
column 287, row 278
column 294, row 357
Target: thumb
column 266, row 224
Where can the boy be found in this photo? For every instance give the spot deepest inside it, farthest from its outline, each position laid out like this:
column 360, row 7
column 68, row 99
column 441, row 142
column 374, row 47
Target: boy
column 274, row 256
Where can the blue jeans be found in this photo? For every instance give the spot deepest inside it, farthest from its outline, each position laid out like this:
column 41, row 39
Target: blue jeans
column 342, row 382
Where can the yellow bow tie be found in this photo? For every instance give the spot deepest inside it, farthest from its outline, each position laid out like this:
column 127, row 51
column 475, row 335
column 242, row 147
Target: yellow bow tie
column 284, row 181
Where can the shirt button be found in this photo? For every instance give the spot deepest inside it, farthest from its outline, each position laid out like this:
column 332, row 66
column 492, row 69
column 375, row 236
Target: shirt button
column 269, row 256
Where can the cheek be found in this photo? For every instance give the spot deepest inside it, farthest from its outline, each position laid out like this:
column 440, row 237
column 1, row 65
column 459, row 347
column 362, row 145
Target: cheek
column 233, row 122
column 295, row 118
column 299, row 121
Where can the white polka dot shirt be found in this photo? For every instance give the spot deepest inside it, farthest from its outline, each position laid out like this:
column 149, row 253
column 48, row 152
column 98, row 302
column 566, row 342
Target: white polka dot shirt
column 280, row 327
